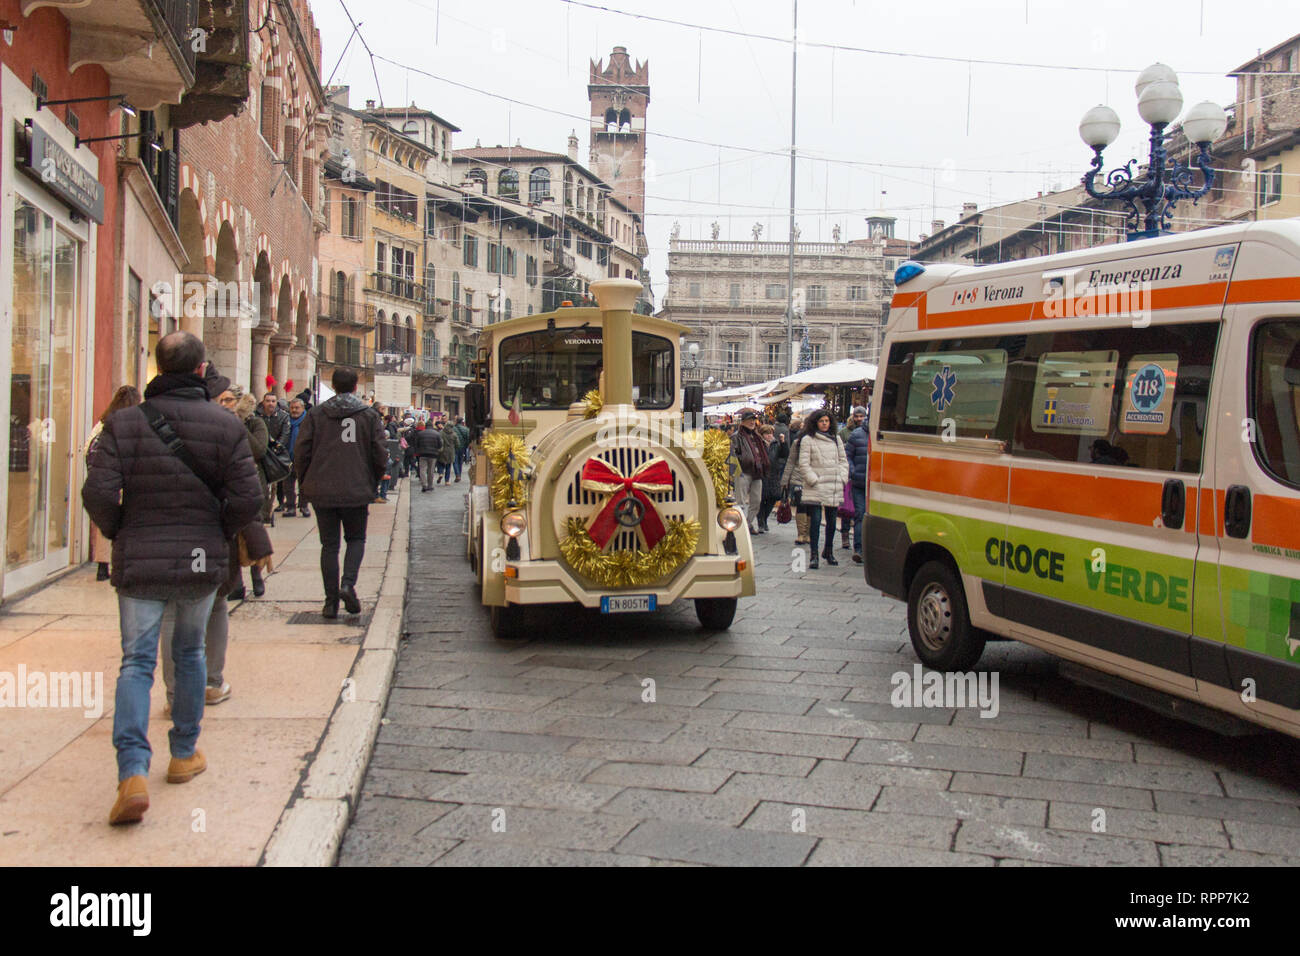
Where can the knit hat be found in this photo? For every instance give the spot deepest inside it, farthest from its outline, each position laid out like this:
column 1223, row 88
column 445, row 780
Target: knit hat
column 859, row 410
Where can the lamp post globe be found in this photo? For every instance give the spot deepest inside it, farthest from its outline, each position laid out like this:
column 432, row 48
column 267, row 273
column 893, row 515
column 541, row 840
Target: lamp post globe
column 1160, row 103
column 1205, row 122
column 1155, row 73
column 1099, row 126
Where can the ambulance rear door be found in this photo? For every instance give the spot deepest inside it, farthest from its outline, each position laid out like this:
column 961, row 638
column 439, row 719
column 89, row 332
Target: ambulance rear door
column 1251, row 648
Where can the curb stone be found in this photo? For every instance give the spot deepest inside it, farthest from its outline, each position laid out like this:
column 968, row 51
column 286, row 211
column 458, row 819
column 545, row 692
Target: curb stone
column 310, row 830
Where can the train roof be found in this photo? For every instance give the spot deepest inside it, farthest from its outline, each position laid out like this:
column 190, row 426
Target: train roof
column 575, row 316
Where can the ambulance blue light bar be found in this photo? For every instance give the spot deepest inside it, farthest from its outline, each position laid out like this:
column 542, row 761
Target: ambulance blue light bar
column 907, row 271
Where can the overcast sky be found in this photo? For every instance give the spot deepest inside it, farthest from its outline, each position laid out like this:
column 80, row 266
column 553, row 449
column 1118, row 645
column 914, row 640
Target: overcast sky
column 905, row 135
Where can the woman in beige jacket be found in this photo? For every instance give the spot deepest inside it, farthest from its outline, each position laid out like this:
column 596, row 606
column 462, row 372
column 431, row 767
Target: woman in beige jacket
column 823, row 471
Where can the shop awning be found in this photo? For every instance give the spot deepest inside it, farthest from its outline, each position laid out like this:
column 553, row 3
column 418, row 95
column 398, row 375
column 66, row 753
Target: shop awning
column 843, row 372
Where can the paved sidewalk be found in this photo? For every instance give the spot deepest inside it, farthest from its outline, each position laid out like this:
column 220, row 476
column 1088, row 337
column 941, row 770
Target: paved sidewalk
column 285, row 665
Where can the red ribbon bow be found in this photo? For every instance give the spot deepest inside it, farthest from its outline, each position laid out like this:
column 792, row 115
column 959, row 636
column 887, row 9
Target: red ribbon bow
column 603, row 478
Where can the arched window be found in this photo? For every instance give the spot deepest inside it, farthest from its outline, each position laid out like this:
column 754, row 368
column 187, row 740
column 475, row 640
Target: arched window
column 508, row 312
column 611, row 120
column 568, row 188
column 591, row 199
column 625, row 121
column 539, row 185
column 508, row 184
column 411, row 128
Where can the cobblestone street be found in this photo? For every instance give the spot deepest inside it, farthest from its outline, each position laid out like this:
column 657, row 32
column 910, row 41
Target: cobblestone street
column 776, row 743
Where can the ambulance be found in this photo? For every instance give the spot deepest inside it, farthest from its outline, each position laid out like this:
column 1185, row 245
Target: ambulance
column 1098, row 453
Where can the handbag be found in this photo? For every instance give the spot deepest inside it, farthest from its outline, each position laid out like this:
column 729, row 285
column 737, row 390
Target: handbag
column 783, row 513
column 276, row 464
column 846, row 506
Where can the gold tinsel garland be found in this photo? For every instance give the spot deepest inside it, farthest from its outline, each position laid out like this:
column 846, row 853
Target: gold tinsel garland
column 621, row 569
column 715, row 448
column 594, row 403
column 505, row 486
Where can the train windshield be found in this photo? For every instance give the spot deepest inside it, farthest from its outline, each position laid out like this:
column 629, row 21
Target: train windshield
column 554, row 369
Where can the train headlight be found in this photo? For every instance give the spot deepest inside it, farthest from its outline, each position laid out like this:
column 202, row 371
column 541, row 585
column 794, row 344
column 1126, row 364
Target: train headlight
column 729, row 519
column 514, row 523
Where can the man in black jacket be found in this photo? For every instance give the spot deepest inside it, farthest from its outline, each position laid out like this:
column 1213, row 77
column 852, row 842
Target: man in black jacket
column 170, row 508
column 277, row 429
column 427, row 445
column 340, row 455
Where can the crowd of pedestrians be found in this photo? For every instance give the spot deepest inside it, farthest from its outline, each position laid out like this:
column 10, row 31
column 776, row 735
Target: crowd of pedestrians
column 808, row 471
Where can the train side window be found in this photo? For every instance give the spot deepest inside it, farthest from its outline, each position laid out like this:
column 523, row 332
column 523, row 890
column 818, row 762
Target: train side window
column 1129, row 397
column 1275, row 399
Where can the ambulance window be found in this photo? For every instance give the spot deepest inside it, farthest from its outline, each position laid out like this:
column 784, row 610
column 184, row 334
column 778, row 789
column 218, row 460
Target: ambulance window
column 928, row 383
column 1275, row 399
column 1127, row 397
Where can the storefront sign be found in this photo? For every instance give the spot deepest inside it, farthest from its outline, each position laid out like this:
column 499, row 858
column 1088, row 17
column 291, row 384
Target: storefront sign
column 55, row 168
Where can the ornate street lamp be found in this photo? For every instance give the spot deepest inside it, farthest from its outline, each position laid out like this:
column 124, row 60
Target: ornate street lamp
column 1167, row 181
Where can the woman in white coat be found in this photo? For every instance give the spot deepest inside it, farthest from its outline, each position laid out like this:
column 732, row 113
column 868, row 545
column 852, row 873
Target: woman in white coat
column 823, row 470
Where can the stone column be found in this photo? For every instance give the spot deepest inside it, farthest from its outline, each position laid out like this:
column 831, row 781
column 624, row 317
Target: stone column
column 280, row 364
column 257, row 374
column 193, row 298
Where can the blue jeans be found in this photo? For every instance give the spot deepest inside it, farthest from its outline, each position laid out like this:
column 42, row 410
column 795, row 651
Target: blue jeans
column 141, row 621
column 859, row 513
column 459, row 461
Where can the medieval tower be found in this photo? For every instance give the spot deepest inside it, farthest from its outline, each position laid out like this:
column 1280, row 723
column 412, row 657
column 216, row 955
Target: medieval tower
column 619, row 96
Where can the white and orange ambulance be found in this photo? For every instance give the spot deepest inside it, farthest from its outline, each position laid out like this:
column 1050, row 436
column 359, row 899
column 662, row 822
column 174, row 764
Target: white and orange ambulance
column 1098, row 453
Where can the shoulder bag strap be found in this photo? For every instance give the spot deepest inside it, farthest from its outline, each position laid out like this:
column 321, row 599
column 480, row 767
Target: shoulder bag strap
column 167, row 435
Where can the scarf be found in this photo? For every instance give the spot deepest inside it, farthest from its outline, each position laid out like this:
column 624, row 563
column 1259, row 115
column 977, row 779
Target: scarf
column 757, row 449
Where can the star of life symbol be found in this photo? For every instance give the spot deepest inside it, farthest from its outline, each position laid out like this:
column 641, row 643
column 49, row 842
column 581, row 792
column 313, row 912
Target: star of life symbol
column 943, row 383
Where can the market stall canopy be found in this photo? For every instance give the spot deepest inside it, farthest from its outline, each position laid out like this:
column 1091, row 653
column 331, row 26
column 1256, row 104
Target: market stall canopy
column 742, row 391
column 730, row 408
column 843, row 372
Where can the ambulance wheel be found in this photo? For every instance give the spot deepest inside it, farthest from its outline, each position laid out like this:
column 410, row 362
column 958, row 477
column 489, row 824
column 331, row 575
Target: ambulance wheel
column 715, row 614
column 507, row 622
column 939, row 623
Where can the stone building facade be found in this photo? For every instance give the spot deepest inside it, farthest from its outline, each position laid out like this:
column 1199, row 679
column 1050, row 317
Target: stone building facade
column 734, row 296
column 249, row 208
column 595, row 235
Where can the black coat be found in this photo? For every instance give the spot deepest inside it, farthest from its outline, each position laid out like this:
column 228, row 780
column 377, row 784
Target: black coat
column 277, row 425
column 777, row 453
column 170, row 535
column 341, row 453
column 428, row 443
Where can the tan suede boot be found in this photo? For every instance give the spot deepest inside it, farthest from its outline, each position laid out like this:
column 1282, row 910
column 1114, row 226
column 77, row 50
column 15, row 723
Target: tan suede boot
column 132, row 801
column 185, row 769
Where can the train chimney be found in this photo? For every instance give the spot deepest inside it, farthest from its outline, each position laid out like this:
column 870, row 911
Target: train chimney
column 616, row 297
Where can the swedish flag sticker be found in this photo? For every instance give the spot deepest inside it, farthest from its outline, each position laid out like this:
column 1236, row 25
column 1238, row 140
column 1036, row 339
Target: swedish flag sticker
column 1049, row 412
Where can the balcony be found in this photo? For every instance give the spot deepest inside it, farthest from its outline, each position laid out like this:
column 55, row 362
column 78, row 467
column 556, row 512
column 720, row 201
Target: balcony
column 400, row 287
column 221, row 69
column 144, row 46
column 341, row 310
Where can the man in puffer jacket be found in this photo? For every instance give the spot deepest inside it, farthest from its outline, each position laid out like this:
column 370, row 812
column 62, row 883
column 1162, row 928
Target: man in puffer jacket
column 170, row 526
column 858, row 449
column 340, row 456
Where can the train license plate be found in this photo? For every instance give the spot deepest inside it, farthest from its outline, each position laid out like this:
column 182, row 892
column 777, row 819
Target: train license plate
column 627, row 603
